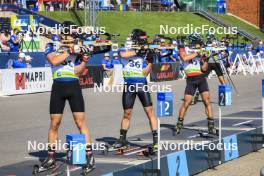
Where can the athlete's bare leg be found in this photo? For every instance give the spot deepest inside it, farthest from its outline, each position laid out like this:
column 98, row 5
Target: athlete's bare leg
column 221, row 80
column 208, row 107
column 55, row 120
column 125, row 124
column 185, row 105
column 153, row 122
column 79, row 118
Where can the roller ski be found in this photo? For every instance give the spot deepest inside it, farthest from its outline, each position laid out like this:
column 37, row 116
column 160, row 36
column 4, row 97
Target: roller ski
column 149, row 150
column 90, row 166
column 48, row 164
column 119, row 145
column 211, row 132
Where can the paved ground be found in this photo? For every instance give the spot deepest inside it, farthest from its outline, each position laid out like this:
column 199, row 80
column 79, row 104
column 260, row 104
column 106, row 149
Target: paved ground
column 25, row 118
column 248, row 165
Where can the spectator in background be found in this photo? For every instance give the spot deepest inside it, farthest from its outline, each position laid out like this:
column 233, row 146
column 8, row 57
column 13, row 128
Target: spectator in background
column 115, row 59
column 175, row 53
column 4, row 39
column 15, row 40
column 107, row 65
column 163, row 53
column 28, row 60
column 20, row 62
column 260, row 48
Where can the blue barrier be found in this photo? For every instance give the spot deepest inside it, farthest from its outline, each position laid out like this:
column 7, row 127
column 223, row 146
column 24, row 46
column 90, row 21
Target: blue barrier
column 39, row 59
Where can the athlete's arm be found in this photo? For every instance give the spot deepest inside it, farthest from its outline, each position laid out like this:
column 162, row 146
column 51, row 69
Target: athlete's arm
column 55, row 59
column 187, row 57
column 80, row 68
column 147, row 70
column 204, row 67
column 149, row 58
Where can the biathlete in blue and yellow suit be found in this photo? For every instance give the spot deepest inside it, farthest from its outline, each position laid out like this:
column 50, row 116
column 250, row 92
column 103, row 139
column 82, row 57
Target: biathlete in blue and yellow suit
column 135, row 71
column 195, row 64
column 67, row 64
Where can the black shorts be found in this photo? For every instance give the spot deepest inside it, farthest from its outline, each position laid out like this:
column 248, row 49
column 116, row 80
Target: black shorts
column 130, row 93
column 216, row 67
column 197, row 82
column 66, row 90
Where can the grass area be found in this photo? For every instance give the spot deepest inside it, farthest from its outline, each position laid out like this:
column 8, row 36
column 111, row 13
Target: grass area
column 124, row 22
column 241, row 24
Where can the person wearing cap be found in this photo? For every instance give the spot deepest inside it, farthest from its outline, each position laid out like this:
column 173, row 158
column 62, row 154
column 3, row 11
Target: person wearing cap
column 260, row 48
column 20, row 62
column 107, row 65
column 163, row 53
column 115, row 59
column 175, row 53
column 28, row 60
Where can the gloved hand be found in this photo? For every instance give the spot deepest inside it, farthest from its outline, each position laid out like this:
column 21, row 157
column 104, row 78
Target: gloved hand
column 150, row 56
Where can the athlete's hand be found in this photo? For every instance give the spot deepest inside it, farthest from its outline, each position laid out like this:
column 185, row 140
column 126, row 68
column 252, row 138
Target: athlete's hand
column 84, row 50
column 150, row 56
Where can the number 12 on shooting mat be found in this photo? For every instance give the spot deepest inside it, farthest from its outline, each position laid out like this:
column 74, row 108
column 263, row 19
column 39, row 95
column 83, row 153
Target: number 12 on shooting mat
column 164, row 104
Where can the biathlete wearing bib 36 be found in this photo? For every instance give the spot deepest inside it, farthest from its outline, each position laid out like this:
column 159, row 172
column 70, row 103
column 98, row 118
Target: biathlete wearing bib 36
column 135, row 82
column 66, row 87
column 195, row 76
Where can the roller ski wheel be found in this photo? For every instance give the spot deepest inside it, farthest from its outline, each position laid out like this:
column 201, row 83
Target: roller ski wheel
column 119, row 145
column 87, row 170
column 214, row 132
column 90, row 166
column 151, row 150
column 39, row 169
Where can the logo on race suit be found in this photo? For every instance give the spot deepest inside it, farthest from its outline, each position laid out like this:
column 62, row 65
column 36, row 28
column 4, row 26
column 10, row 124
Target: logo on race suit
column 29, row 80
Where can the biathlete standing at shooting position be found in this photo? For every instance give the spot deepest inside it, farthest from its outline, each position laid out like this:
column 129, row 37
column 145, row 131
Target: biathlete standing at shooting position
column 67, row 64
column 214, row 62
column 195, row 64
column 135, row 71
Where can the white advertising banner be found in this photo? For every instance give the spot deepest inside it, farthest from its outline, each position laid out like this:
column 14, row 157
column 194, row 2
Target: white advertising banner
column 26, row 80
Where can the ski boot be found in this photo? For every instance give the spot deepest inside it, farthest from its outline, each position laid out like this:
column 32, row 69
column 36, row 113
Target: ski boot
column 179, row 126
column 211, row 128
column 47, row 164
column 90, row 166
